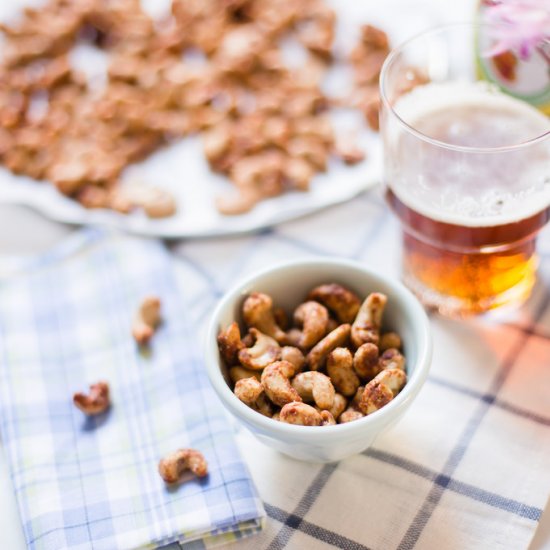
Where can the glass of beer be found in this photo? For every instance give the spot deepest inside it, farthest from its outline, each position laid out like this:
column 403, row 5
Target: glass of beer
column 467, row 172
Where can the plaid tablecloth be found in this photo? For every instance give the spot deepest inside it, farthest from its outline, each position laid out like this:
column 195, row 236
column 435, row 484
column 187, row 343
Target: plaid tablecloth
column 92, row 483
column 467, row 468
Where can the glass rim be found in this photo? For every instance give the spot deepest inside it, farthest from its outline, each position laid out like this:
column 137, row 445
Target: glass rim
column 395, row 52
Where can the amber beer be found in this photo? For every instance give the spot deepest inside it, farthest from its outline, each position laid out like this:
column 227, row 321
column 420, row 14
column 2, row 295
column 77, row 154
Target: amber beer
column 482, row 267
column 470, row 203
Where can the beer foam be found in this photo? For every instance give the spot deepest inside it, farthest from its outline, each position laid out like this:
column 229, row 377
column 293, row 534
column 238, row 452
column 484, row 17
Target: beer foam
column 482, row 189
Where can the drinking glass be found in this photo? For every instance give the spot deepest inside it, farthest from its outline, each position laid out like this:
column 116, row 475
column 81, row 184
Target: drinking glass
column 467, row 172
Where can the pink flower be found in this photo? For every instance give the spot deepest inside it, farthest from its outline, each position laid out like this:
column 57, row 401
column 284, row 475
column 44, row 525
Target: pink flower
column 521, row 25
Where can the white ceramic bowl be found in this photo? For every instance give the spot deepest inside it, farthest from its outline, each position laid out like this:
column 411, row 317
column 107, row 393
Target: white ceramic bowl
column 288, row 284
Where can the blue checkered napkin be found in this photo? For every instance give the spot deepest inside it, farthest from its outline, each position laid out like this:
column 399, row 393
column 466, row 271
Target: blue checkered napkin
column 93, row 483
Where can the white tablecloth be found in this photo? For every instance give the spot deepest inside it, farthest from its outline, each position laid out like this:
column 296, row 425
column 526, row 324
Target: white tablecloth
column 468, row 465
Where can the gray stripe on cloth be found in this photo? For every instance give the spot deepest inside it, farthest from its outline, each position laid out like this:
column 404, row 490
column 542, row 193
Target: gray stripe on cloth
column 481, row 495
column 492, row 399
column 410, row 538
column 302, row 508
column 315, row 531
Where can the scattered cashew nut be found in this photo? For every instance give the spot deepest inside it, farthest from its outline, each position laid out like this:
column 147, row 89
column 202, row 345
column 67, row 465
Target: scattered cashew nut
column 96, row 401
column 160, row 204
column 156, row 202
column 172, row 467
column 258, row 313
column 315, row 386
column 146, row 320
column 347, row 148
column 317, row 356
column 340, row 371
column 300, row 414
column 338, row 299
column 276, row 383
column 366, row 327
column 265, row 351
column 381, row 390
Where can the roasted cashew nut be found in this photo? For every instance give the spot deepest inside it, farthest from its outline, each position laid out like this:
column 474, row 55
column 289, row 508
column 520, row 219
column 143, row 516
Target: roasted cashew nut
column 146, row 320
column 248, row 390
column 258, row 313
column 293, row 355
column 347, row 148
column 317, row 356
column 357, row 397
column 349, row 415
column 381, row 390
column 96, row 402
column 338, row 406
column 315, row 386
column 264, row 406
column 313, row 318
column 239, row 203
column 340, row 371
column 229, row 343
column 389, row 340
column 265, row 351
column 156, row 202
column 300, row 414
column 239, row 373
column 172, row 467
column 251, row 393
column 365, row 361
column 352, row 412
column 338, row 299
column 280, row 317
column 366, row 327
column 391, row 359
column 276, row 383
column 160, row 204
column 328, row 419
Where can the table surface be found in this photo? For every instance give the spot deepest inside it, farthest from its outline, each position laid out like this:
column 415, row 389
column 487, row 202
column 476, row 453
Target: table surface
column 24, row 232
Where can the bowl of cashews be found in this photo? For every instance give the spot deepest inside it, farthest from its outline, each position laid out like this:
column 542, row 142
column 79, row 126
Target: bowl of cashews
column 317, row 357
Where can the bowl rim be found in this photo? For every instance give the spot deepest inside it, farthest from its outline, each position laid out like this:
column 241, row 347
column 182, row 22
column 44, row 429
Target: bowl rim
column 376, row 420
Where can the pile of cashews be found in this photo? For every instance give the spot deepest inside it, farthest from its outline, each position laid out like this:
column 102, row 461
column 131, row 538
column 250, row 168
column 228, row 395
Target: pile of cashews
column 333, row 365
